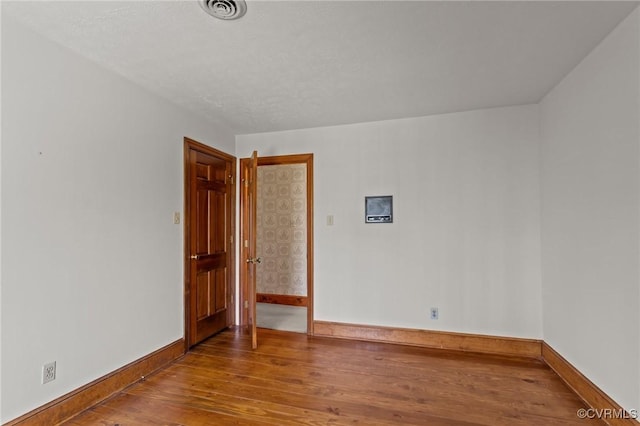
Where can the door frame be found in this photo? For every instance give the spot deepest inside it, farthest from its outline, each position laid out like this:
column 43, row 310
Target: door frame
column 230, row 229
column 275, row 161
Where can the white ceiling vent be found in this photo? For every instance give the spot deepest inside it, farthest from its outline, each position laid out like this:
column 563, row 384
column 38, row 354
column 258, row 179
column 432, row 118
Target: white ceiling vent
column 224, row 9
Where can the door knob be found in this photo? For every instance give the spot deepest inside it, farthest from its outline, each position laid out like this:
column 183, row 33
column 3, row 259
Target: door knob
column 194, row 257
column 254, row 260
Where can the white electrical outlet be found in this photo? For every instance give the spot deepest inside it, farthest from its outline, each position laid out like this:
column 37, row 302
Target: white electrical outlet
column 176, row 218
column 48, row 372
column 434, row 313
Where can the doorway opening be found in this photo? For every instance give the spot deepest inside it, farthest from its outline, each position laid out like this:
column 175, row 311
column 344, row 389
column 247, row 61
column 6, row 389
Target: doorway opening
column 284, row 245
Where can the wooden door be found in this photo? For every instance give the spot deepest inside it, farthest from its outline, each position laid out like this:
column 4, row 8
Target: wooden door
column 209, row 219
column 249, row 257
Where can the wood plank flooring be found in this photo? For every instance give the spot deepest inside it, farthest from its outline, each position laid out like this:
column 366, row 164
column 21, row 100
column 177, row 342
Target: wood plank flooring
column 293, row 379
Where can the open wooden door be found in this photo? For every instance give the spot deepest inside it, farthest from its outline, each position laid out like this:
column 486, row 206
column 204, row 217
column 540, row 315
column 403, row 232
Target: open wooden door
column 249, row 257
column 209, row 226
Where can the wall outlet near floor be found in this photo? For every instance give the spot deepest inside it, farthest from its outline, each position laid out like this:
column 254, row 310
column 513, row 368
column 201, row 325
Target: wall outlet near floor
column 433, row 312
column 48, row 372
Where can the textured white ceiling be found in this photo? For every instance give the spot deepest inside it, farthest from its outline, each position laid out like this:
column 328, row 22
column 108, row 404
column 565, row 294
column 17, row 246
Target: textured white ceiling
column 299, row 64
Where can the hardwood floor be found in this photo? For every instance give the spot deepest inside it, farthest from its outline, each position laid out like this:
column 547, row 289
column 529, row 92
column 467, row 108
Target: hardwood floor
column 293, row 379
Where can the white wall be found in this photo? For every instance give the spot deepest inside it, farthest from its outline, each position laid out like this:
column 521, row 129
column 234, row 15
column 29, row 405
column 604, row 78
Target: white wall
column 590, row 215
column 91, row 175
column 465, row 236
column 1, row 97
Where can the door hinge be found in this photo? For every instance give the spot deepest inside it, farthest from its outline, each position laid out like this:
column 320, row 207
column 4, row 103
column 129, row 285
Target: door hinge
column 246, row 304
column 231, row 239
column 231, row 179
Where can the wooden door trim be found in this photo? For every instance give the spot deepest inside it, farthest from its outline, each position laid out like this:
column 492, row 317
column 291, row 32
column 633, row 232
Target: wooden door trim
column 243, row 298
column 276, row 161
column 231, row 228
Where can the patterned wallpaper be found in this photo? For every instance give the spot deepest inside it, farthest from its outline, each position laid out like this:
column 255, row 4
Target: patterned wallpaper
column 282, row 229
